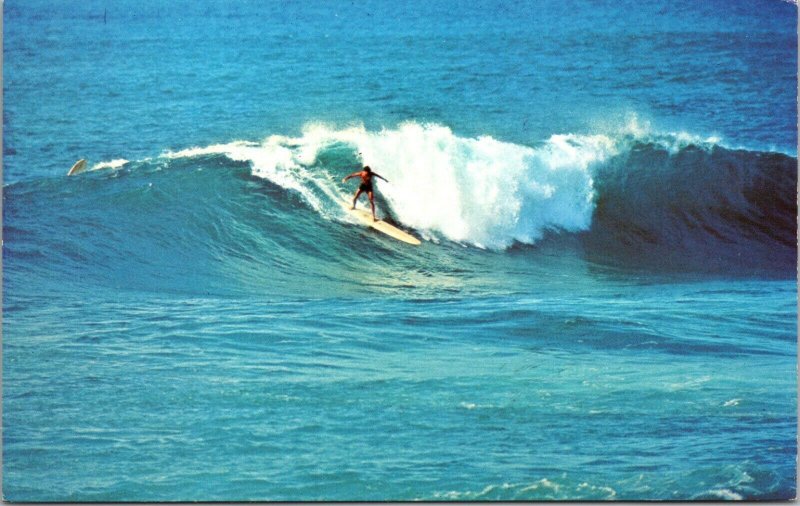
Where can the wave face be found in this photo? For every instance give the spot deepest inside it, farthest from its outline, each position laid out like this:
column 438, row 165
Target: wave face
column 481, row 192
column 697, row 206
column 488, row 193
column 255, row 214
column 649, row 198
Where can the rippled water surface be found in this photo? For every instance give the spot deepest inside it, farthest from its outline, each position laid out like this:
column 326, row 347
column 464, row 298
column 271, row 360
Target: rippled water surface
column 603, row 305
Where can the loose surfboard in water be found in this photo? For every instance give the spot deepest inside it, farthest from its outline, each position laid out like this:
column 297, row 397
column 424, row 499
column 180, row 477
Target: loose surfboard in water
column 79, row 167
column 365, row 217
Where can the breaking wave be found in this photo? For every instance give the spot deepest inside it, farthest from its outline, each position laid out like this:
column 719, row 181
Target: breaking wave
column 258, row 213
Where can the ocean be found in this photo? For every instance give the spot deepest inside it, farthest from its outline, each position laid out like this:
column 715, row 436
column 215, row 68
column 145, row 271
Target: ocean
column 603, row 306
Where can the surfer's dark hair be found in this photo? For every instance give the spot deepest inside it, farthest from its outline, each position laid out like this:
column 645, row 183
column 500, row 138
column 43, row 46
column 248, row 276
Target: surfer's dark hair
column 366, row 168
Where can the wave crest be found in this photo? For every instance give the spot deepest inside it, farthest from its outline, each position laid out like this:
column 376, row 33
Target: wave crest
column 634, row 194
column 478, row 191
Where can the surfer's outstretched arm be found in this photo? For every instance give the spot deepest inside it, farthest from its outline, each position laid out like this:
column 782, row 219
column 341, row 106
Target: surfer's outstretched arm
column 378, row 175
column 354, row 174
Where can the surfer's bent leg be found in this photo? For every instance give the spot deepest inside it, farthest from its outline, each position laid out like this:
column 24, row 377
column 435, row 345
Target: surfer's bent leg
column 358, row 194
column 372, row 204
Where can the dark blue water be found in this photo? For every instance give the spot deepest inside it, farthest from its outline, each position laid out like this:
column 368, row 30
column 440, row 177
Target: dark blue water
column 603, row 306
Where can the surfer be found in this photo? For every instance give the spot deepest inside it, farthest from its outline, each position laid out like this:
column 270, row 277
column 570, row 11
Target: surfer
column 366, row 176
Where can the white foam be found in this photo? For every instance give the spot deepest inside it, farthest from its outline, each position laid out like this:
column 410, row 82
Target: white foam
column 112, row 164
column 478, row 191
column 634, row 128
column 475, row 191
column 214, row 149
column 541, row 489
column 726, row 494
column 273, row 160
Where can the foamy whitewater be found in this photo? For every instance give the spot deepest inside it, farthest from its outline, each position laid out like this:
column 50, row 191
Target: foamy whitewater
column 603, row 305
column 479, row 191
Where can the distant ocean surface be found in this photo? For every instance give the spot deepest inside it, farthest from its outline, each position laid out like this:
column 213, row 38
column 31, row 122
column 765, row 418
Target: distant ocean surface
column 604, row 304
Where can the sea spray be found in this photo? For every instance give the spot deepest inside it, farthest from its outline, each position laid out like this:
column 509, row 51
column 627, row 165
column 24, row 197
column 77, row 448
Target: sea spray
column 482, row 191
column 635, row 195
column 478, row 191
column 274, row 160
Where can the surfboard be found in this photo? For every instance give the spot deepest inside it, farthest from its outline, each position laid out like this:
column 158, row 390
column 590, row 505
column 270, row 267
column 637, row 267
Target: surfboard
column 79, row 167
column 365, row 217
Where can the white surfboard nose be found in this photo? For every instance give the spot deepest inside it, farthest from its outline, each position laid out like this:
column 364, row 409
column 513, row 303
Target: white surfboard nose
column 79, row 167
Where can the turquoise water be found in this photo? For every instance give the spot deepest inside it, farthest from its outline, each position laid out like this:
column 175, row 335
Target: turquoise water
column 603, row 306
